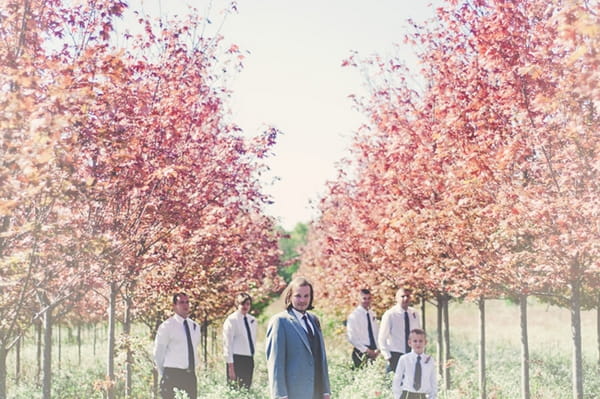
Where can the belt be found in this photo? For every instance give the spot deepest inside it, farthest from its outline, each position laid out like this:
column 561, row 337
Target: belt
column 248, row 356
column 358, row 350
column 178, row 370
column 412, row 395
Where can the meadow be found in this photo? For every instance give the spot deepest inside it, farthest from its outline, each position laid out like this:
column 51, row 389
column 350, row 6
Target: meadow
column 550, row 352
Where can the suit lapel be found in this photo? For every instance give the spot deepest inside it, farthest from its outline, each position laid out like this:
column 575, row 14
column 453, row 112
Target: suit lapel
column 299, row 329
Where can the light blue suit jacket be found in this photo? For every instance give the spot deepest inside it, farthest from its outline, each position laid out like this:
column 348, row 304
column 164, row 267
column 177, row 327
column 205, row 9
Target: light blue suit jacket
column 290, row 361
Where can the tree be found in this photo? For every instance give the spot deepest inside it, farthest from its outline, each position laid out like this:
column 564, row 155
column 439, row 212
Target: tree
column 140, row 163
column 290, row 244
column 530, row 59
column 163, row 164
column 40, row 252
column 474, row 177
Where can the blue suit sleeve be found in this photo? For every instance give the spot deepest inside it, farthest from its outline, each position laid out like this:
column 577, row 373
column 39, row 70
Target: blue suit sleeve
column 276, row 357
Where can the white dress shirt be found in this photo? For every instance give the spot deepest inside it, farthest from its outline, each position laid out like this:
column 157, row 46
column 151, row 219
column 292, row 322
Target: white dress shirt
column 405, row 372
column 170, row 345
column 357, row 328
column 391, row 330
column 299, row 316
column 235, row 337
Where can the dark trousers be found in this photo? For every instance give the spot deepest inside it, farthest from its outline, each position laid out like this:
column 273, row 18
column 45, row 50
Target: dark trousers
column 244, row 370
column 360, row 359
column 182, row 379
column 393, row 362
column 412, row 395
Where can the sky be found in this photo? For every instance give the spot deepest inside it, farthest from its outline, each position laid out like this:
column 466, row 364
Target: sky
column 293, row 79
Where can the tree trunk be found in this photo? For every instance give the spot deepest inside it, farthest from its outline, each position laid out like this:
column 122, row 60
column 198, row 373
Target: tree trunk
column 59, row 345
column 576, row 333
column 3, row 371
column 95, row 337
column 129, row 359
column 110, row 363
column 204, row 339
column 598, row 329
column 525, row 390
column 423, row 320
column 38, row 327
column 79, row 344
column 155, row 377
column 440, row 335
column 18, row 361
column 47, row 356
column 447, row 357
column 213, row 336
column 482, row 376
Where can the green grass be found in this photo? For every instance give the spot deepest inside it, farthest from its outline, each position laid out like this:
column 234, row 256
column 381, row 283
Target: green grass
column 550, row 368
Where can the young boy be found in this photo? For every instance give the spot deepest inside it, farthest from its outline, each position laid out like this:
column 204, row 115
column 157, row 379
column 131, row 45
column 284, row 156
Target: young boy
column 416, row 375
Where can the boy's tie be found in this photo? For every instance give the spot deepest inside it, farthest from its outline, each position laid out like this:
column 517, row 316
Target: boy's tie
column 417, row 379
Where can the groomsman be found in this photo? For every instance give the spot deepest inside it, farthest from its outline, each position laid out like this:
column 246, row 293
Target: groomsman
column 361, row 329
column 396, row 325
column 175, row 350
column 239, row 342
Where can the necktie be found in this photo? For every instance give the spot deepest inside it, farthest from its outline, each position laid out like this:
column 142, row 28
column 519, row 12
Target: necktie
column 191, row 360
column 417, row 379
column 308, row 329
column 372, row 344
column 406, row 332
column 249, row 335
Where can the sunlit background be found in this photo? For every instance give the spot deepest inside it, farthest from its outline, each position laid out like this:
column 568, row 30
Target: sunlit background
column 293, row 79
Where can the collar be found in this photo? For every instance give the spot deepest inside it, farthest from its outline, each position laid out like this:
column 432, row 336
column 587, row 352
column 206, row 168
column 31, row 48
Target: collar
column 179, row 318
column 240, row 315
column 299, row 315
column 363, row 310
column 400, row 309
column 424, row 357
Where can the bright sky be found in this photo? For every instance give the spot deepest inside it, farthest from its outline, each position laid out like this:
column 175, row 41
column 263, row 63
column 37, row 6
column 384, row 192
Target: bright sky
column 293, row 79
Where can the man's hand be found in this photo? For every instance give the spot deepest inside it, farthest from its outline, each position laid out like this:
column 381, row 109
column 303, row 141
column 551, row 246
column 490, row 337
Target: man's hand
column 372, row 354
column 230, row 371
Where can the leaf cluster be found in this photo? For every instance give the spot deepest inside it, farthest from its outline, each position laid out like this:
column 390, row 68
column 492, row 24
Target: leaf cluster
column 483, row 180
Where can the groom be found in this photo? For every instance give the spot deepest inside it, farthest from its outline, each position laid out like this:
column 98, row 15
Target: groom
column 296, row 359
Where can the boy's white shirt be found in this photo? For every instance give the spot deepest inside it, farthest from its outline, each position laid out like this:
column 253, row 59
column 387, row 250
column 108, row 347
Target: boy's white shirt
column 405, row 371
